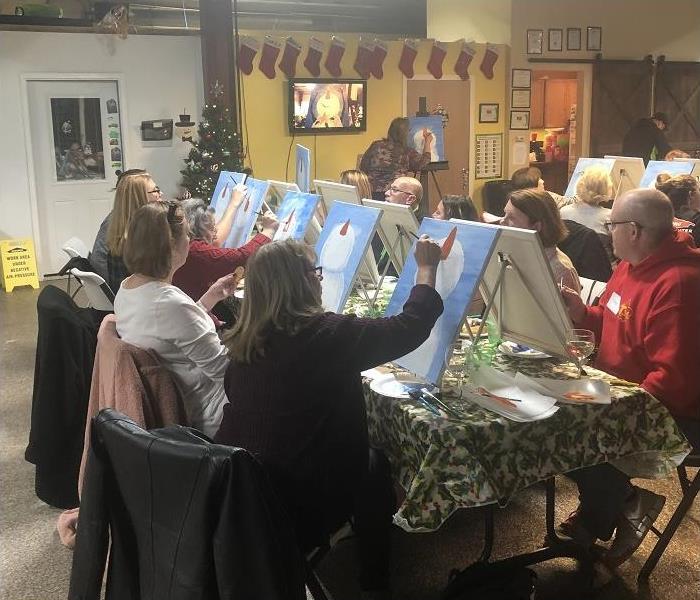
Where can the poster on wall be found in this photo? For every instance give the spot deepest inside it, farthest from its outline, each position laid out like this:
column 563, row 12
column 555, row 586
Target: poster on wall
column 418, row 129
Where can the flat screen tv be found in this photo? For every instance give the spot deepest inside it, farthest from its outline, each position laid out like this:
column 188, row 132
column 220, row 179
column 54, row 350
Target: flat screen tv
column 327, row 106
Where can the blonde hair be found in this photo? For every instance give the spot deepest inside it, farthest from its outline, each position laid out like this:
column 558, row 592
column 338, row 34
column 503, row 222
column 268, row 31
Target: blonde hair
column 594, row 186
column 280, row 296
column 152, row 234
column 359, row 179
column 131, row 194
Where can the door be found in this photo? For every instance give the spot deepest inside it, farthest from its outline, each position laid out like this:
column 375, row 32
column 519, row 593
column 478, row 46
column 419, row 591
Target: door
column 677, row 93
column 453, row 96
column 76, row 143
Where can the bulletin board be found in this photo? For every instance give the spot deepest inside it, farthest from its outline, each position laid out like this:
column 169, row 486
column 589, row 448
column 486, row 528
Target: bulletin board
column 489, row 156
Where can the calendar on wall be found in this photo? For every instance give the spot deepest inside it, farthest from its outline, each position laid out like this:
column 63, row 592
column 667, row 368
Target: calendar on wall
column 489, row 156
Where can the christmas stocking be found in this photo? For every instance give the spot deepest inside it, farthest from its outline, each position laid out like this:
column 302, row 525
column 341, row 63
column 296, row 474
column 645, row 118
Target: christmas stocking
column 268, row 57
column 246, row 53
column 334, row 56
column 378, row 56
column 288, row 64
column 489, row 60
column 363, row 61
column 466, row 55
column 437, row 56
column 312, row 62
column 408, row 57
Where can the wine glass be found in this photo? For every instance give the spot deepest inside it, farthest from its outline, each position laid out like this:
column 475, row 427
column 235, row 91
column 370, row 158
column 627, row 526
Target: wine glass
column 580, row 344
column 454, row 366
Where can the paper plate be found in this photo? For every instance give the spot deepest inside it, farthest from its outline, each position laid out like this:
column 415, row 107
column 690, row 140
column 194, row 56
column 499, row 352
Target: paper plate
column 578, row 391
column 513, row 349
column 388, row 385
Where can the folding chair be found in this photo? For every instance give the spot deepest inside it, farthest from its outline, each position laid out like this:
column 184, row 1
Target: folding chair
column 74, row 248
column 100, row 296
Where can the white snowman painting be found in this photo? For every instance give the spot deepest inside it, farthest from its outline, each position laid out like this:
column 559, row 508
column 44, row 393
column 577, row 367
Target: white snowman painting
column 240, row 220
column 334, row 258
column 287, row 226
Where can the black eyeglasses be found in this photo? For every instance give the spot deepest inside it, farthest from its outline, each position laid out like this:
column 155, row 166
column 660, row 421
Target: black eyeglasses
column 155, row 190
column 394, row 189
column 610, row 225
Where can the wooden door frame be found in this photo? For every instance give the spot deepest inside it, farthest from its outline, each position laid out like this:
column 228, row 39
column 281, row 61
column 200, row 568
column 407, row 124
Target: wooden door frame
column 472, row 115
column 25, row 80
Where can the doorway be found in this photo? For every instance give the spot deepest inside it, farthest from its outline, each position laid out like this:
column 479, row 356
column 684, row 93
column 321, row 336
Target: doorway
column 453, row 96
column 76, row 147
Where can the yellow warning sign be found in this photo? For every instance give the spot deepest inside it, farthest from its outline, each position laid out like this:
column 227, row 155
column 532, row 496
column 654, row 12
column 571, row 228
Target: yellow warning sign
column 18, row 264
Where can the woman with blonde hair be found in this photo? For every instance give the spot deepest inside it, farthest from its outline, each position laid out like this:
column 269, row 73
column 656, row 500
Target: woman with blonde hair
column 594, row 187
column 296, row 399
column 153, row 314
column 359, row 179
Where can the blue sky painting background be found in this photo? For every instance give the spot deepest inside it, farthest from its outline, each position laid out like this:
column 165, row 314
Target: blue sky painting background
column 240, row 231
column 303, row 168
column 581, row 166
column 656, row 167
column 225, row 177
column 304, row 206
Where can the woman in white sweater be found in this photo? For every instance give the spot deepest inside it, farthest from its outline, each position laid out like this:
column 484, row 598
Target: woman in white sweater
column 593, row 187
column 153, row 314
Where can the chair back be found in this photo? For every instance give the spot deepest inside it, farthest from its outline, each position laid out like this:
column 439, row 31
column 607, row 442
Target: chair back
column 591, row 290
column 100, row 296
column 75, row 247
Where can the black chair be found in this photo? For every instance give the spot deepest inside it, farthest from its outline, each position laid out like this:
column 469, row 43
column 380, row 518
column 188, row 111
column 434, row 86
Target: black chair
column 690, row 489
column 495, row 195
column 587, row 253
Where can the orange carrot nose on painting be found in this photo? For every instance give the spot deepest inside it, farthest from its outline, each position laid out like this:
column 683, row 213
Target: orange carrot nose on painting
column 345, row 227
column 449, row 242
column 289, row 220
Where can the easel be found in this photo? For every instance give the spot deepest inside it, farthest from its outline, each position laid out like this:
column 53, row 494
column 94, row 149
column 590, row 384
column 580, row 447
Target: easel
column 623, row 173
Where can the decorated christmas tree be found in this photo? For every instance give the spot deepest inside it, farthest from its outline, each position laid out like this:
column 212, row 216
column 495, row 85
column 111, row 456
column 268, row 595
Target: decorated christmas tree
column 217, row 148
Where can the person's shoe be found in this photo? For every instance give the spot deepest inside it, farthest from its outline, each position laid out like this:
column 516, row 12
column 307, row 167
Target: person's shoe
column 574, row 530
column 634, row 523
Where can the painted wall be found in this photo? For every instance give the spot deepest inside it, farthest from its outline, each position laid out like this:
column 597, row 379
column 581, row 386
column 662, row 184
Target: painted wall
column 162, row 75
column 478, row 20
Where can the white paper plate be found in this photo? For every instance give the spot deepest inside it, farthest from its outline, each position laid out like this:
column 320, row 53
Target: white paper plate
column 577, row 391
column 388, row 385
column 511, row 349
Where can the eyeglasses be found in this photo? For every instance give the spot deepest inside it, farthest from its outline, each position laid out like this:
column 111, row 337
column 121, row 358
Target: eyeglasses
column 394, row 189
column 155, row 190
column 318, row 270
column 610, row 225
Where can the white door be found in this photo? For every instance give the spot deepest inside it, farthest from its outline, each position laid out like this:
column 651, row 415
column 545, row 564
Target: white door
column 77, row 146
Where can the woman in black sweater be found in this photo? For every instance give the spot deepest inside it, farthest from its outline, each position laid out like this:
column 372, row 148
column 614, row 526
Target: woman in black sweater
column 296, row 398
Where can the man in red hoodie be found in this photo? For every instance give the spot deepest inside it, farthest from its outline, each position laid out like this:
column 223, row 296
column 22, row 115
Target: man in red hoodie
column 648, row 325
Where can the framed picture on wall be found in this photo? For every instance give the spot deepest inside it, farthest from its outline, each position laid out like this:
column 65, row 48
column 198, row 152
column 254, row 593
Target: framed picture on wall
column 555, row 40
column 535, row 39
column 488, row 113
column 573, row 38
column 519, row 98
column 520, row 119
column 521, row 78
column 594, row 38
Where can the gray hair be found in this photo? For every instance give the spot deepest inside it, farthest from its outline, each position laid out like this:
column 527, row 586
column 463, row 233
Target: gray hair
column 199, row 217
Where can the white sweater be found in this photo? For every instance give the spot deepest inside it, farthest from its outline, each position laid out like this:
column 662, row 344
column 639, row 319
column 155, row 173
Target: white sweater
column 592, row 217
column 159, row 316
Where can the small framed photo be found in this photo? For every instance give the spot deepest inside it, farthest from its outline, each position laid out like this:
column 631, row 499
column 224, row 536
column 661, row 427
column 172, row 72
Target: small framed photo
column 520, row 119
column 594, row 38
column 555, row 40
column 519, row 98
column 521, row 78
column 488, row 113
column 535, row 39
column 573, row 38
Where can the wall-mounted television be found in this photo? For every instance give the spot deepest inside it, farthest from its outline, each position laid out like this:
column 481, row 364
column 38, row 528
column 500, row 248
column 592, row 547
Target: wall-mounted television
column 327, row 106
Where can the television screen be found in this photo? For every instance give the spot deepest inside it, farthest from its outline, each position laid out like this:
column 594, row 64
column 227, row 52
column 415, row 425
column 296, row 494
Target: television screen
column 327, row 105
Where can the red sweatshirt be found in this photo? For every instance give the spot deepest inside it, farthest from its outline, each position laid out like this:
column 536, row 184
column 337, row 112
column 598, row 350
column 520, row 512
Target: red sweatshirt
column 206, row 263
column 648, row 325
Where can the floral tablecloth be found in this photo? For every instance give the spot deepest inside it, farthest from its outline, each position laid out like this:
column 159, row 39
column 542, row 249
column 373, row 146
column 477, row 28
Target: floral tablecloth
column 447, row 464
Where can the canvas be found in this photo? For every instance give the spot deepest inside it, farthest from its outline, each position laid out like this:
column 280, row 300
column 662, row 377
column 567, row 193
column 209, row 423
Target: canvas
column 221, row 197
column 295, row 214
column 303, row 168
column 396, row 227
column 656, row 167
column 466, row 250
column 696, row 165
column 341, row 248
column 277, row 190
column 626, row 174
column 581, row 166
column 415, row 136
column 247, row 213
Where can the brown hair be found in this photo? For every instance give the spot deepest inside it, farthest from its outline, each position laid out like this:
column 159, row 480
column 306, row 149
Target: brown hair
column 526, row 178
column 280, row 295
column 131, row 194
column 460, row 207
column 153, row 230
column 398, row 131
column 541, row 208
column 359, row 179
column 678, row 188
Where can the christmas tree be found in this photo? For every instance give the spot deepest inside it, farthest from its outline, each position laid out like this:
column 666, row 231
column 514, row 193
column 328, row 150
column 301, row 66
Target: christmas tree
column 218, row 148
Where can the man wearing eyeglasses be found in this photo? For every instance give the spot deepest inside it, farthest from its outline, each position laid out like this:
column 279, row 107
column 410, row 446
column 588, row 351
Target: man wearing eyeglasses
column 648, row 324
column 404, row 190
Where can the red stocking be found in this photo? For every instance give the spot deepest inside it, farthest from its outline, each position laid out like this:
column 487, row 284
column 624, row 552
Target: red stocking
column 288, row 64
column 408, row 57
column 466, row 55
column 334, row 56
column 246, row 53
column 489, row 60
column 268, row 57
column 437, row 56
column 378, row 56
column 363, row 61
column 312, row 62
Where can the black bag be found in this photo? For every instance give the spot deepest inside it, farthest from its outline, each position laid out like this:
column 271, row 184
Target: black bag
column 491, row 581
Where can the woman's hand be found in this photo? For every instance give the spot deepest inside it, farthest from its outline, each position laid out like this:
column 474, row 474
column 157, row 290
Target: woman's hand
column 428, row 254
column 269, row 224
column 238, row 195
column 427, row 140
column 222, row 288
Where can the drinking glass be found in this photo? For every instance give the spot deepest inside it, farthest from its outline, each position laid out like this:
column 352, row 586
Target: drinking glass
column 580, row 344
column 454, row 366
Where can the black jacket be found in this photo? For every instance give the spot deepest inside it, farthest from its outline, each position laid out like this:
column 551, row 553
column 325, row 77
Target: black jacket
column 65, row 352
column 189, row 520
column 586, row 251
column 641, row 139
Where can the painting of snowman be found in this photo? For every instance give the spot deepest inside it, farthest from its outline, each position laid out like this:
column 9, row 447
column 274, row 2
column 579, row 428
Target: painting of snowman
column 303, row 168
column 222, row 192
column 295, row 214
column 433, row 124
column 247, row 213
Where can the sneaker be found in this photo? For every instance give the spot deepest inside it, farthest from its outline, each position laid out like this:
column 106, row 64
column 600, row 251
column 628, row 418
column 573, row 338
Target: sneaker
column 574, row 530
column 640, row 512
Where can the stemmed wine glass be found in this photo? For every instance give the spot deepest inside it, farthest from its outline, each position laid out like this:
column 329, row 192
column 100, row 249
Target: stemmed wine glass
column 580, row 344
